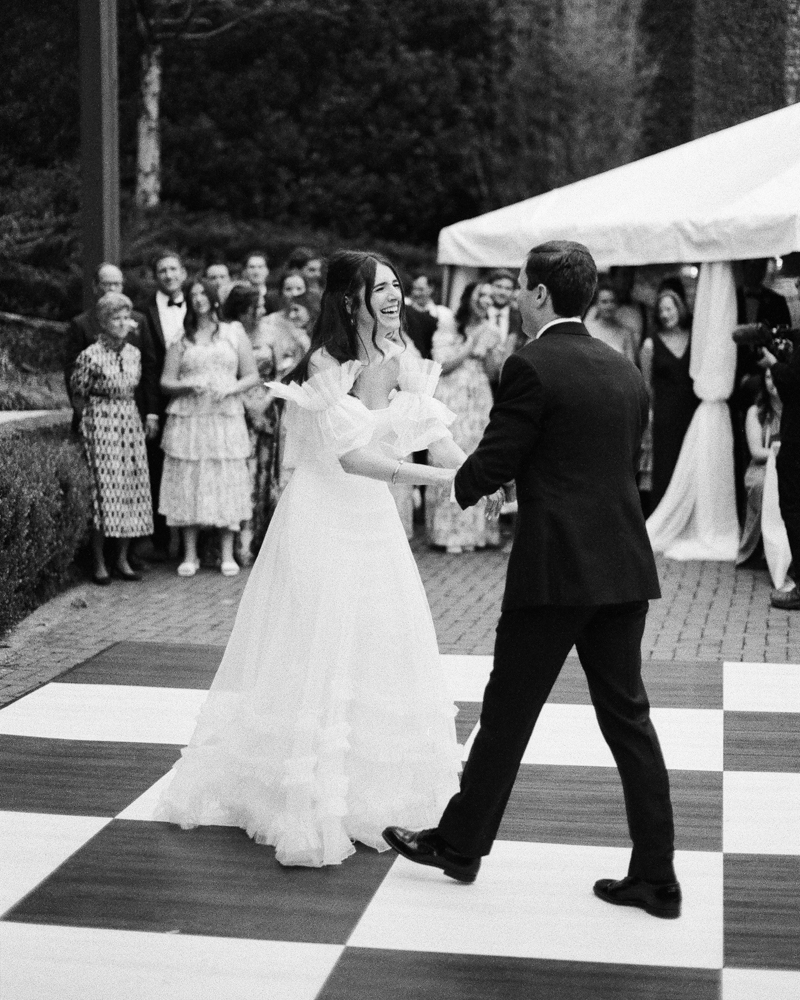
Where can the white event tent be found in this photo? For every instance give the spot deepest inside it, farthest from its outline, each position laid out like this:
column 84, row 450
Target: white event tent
column 732, row 195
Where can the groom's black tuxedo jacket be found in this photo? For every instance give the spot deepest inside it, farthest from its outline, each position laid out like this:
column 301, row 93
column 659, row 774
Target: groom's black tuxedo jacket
column 567, row 424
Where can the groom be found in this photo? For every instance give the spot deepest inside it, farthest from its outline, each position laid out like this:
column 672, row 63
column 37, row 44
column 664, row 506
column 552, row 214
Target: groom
column 566, row 425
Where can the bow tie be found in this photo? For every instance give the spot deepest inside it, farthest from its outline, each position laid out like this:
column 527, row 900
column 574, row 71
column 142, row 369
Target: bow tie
column 175, row 302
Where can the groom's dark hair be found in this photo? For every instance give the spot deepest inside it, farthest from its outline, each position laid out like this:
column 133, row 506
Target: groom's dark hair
column 568, row 272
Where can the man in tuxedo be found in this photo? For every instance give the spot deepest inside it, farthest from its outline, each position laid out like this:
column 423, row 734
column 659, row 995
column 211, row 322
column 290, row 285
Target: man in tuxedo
column 84, row 329
column 566, row 426
column 504, row 315
column 164, row 314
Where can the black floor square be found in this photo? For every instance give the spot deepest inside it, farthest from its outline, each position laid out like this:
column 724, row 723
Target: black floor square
column 669, row 683
column 556, row 804
column 211, row 880
column 78, row 777
column 762, row 911
column 149, row 664
column 762, row 741
column 382, row 974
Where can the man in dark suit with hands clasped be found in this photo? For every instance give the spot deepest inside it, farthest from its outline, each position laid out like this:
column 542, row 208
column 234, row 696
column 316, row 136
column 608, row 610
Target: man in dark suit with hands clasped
column 566, row 426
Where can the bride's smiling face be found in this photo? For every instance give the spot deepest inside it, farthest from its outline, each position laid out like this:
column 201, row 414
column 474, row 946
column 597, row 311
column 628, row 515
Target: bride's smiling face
column 385, row 301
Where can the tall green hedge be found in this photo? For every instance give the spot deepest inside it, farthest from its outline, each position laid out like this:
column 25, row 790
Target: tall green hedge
column 44, row 510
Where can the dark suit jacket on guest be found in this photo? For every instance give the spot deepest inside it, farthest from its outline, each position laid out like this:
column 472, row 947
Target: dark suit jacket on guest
column 156, row 347
column 84, row 330
column 567, row 424
column 421, row 327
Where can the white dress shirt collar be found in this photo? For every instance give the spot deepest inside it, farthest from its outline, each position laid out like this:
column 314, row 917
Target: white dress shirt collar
column 559, row 319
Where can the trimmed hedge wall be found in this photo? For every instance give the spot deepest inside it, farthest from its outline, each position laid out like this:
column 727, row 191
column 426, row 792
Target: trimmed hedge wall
column 44, row 511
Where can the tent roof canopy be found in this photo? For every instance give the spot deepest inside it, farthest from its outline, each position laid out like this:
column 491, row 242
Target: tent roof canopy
column 732, row 195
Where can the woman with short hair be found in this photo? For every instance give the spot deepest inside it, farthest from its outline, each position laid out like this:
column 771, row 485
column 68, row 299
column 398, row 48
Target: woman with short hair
column 103, row 384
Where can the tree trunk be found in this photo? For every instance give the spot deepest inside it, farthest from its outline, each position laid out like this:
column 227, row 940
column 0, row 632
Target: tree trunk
column 148, row 152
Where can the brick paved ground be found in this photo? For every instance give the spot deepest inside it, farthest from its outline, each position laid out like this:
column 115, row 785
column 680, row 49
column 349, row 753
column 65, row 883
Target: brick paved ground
column 709, row 612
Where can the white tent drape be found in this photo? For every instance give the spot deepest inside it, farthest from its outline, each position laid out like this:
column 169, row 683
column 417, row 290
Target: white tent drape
column 697, row 517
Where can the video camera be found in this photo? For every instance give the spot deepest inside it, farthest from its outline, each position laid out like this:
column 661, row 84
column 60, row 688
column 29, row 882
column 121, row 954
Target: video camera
column 778, row 340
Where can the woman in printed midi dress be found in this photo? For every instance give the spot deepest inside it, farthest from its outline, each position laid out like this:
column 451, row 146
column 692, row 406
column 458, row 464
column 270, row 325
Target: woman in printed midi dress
column 103, row 383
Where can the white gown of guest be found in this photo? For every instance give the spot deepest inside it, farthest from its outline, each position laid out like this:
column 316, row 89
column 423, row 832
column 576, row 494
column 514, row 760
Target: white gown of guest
column 328, row 718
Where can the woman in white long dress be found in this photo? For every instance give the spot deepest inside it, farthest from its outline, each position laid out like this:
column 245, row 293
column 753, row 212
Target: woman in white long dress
column 328, row 718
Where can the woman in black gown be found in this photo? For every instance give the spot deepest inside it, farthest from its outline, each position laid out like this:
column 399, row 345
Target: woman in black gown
column 665, row 359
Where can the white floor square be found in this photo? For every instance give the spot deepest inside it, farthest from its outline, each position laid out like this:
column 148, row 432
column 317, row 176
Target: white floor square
column 89, row 964
column 34, row 845
column 691, row 738
column 760, row 984
column 536, row 901
column 120, row 713
column 761, row 687
column 760, row 813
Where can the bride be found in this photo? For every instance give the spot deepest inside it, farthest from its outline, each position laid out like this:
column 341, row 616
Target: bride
column 328, row 718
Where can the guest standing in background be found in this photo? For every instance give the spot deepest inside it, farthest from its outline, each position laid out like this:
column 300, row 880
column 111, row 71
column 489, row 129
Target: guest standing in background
column 262, row 413
column 665, row 359
column 421, row 301
column 84, row 329
column 103, row 383
column 464, row 388
column 219, row 277
column 288, row 339
column 504, row 316
column 206, row 445
column 310, row 264
column 164, row 314
column 603, row 323
column 255, row 273
column 763, row 430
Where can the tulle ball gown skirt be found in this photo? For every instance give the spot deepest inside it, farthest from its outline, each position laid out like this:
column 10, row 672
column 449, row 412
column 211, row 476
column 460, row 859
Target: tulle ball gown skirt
column 328, row 718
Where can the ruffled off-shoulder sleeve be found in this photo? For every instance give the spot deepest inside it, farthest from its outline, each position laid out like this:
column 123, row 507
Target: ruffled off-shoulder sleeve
column 326, row 411
column 418, row 419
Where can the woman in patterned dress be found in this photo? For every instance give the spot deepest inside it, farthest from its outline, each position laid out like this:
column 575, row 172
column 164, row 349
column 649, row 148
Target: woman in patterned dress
column 205, row 441
column 466, row 355
column 262, row 412
column 103, row 382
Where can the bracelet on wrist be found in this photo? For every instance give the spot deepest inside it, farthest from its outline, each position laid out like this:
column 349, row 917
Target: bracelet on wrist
column 397, row 470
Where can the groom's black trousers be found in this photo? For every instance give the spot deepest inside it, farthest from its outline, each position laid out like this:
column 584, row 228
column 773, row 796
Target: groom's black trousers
column 530, row 649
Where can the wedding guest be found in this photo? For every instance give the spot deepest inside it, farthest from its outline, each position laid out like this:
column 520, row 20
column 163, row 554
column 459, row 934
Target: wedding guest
column 205, row 441
column 218, row 275
column 603, row 322
column 256, row 272
column 164, row 314
column 103, row 384
column 310, row 264
column 665, row 359
column 464, row 388
column 286, row 335
column 504, row 315
column 291, row 286
column 421, row 298
column 262, row 413
column 84, row 329
column 762, row 428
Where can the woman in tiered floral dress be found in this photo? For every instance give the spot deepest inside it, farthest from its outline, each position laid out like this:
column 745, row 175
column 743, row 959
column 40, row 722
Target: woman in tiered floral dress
column 206, row 445
column 328, row 718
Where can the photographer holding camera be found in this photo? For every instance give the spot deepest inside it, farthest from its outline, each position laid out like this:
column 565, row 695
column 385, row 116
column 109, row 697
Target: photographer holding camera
column 786, row 376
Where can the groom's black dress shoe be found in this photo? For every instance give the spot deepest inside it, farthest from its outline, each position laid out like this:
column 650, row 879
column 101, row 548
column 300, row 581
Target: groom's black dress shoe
column 657, row 899
column 426, row 847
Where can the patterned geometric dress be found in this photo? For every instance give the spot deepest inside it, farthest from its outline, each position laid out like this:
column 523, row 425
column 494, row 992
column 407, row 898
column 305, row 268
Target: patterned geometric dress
column 113, row 439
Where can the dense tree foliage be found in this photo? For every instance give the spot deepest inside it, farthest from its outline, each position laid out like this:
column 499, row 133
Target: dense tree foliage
column 356, row 120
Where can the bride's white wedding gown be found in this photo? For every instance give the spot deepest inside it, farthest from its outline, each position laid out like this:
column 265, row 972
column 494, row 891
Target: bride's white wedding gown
column 328, row 718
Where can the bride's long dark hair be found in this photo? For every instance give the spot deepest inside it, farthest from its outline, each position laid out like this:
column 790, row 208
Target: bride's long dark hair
column 351, row 279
